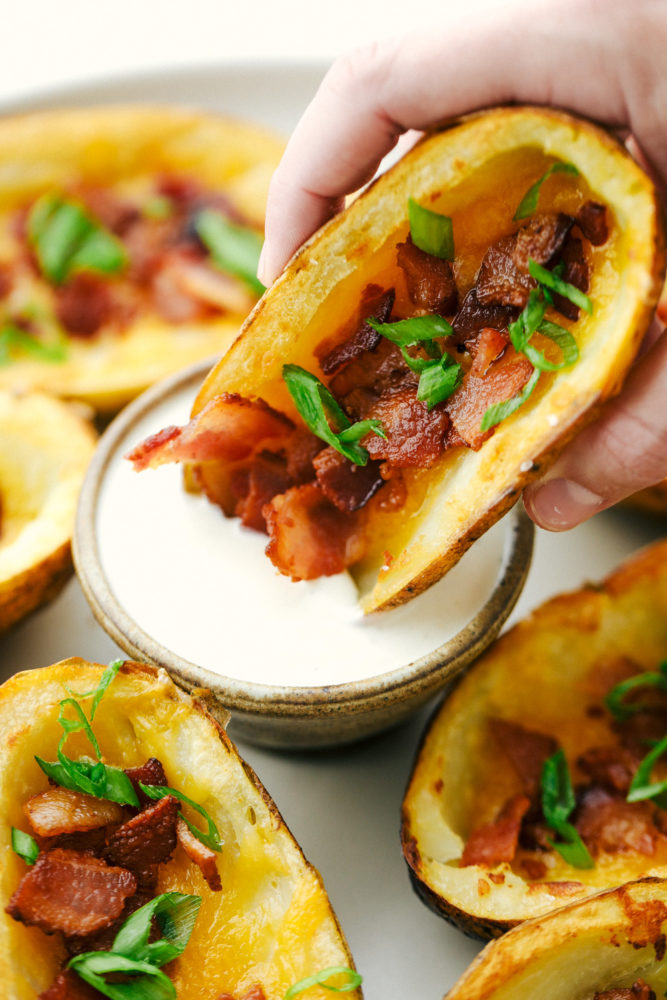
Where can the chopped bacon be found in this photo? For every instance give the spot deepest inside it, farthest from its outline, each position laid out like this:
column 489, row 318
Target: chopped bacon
column 71, row 892
column 575, row 272
column 150, row 773
column 638, row 991
column 430, row 280
column 415, row 434
column 147, row 839
column 227, row 429
column 500, row 282
column 309, row 536
column 592, row 220
column 375, row 371
column 613, row 767
column 258, row 485
column 364, row 339
column 347, row 485
column 541, row 239
column 184, row 289
column 474, row 315
column 84, row 305
column 505, row 379
column 108, row 208
column 61, row 810
column 485, row 349
column 202, row 855
column 609, row 824
column 69, row 986
column 526, row 750
column 497, row 841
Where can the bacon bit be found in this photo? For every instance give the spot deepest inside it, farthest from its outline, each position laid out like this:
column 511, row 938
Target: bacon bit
column 114, row 213
column 485, row 349
column 430, row 280
column 309, row 537
column 102, row 940
column 347, row 485
column 186, row 289
column 71, row 892
column 265, row 479
column 500, row 282
column 202, row 855
column 541, row 239
column 147, row 839
column 592, row 220
column 474, row 316
column 367, row 377
column 496, row 842
column 150, row 773
column 228, row 429
column 300, row 450
column 365, row 338
column 69, row 986
column 575, row 272
column 612, row 767
column 505, row 378
column 526, row 750
column 415, row 435
column 638, row 991
column 59, row 811
column 608, row 824
column 84, row 305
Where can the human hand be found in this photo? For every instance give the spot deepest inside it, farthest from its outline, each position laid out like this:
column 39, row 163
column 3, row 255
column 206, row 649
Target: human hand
column 599, row 58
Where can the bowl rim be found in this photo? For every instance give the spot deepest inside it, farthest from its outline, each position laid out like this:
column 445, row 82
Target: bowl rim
column 420, row 676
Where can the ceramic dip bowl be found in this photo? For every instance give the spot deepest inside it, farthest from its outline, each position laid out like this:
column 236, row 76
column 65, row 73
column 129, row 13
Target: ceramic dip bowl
column 177, row 584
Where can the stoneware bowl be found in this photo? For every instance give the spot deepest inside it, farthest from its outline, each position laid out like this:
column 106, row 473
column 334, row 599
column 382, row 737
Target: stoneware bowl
column 176, row 584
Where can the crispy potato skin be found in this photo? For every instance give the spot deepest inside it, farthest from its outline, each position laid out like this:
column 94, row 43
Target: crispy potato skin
column 272, row 923
column 548, row 669
column 45, row 447
column 101, row 146
column 609, row 940
column 506, row 149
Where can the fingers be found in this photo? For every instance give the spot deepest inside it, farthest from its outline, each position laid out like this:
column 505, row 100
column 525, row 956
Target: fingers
column 600, row 58
column 624, row 451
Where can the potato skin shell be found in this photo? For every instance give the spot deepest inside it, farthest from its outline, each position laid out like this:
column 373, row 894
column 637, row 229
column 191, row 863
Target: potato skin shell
column 562, row 650
column 461, row 497
column 272, row 923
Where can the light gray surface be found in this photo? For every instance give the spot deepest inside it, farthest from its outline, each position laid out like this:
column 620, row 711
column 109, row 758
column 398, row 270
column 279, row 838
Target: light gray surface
column 343, row 806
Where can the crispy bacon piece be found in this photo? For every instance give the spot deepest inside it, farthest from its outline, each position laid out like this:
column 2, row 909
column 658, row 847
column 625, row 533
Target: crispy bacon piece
column 147, row 839
column 638, row 991
column 430, row 280
column 474, row 316
column 185, row 289
column 228, row 429
column 62, row 811
column 71, row 892
column 505, row 378
column 69, row 986
column 364, row 339
column 592, row 220
column 575, row 272
column 257, row 485
column 368, row 376
column 202, row 855
column 613, row 767
column 84, row 305
column 150, row 773
column 500, row 282
column 309, row 536
column 108, row 208
column 347, row 485
column 497, row 841
column 608, row 824
column 415, row 434
column 526, row 750
column 485, row 349
column 541, row 239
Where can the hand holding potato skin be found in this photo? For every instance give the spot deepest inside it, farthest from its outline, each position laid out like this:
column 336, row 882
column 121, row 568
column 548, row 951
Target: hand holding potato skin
column 600, row 58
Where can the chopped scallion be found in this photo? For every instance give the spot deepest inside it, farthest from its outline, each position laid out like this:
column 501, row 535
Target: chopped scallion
column 234, row 249
column 528, row 203
column 431, row 231
column 557, row 803
column 556, row 284
column 25, row 846
column 67, row 239
column 322, row 978
column 212, row 836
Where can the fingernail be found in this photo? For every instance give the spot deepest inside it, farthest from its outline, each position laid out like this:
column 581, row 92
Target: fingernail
column 261, row 267
column 560, row 504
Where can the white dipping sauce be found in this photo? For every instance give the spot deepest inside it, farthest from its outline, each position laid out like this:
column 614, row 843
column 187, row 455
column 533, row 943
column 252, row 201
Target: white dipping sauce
column 200, row 584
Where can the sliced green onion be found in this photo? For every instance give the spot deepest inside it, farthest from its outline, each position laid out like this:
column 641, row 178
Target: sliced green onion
column 92, row 778
column 97, row 693
column 557, row 803
column 321, row 979
column 76, row 725
column 563, row 339
column 14, row 340
column 431, row 231
column 528, row 203
column 175, row 914
column 528, row 322
column 500, row 411
column 408, row 332
column 25, row 846
column 438, row 380
column 211, row 838
column 234, row 249
column 556, row 284
column 439, row 375
column 147, row 982
column 66, row 239
column 317, row 405
column 641, row 786
column 614, row 699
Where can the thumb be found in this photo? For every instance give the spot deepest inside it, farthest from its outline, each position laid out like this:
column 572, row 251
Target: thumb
column 625, row 450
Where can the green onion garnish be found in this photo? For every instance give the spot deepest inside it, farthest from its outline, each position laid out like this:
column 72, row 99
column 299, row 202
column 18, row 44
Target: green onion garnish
column 132, row 954
column 430, row 231
column 317, row 405
column 234, row 249
column 438, row 380
column 407, row 332
column 641, row 786
column 500, row 411
column 66, row 239
column 211, row 838
column 321, row 978
column 98, row 693
column 25, row 846
column 15, row 341
column 439, row 375
column 528, row 203
column 556, row 284
column 614, row 699
column 557, row 803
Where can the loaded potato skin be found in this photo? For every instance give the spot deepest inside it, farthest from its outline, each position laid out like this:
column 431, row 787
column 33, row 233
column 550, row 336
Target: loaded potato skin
column 271, row 924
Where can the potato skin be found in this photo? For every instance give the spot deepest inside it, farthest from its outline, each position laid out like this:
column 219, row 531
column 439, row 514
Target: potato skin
column 548, row 668
column 272, row 923
column 461, row 496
